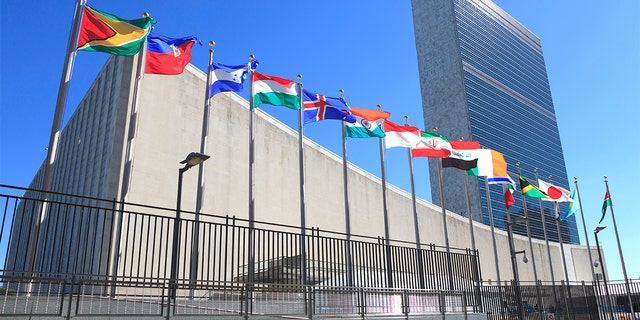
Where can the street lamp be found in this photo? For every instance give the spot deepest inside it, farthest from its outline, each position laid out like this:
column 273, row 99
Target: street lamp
column 193, row 159
column 604, row 277
column 514, row 265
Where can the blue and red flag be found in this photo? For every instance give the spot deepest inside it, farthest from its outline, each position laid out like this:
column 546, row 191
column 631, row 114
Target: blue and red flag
column 168, row 55
column 318, row 107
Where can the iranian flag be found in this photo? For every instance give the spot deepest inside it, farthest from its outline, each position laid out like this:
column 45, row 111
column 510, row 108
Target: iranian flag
column 400, row 136
column 433, row 146
column 274, row 91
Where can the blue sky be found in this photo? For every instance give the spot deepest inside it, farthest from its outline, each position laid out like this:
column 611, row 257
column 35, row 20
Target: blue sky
column 591, row 48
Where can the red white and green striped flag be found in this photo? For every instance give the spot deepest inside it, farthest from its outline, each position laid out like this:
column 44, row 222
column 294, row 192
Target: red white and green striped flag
column 274, row 91
column 104, row 32
column 605, row 204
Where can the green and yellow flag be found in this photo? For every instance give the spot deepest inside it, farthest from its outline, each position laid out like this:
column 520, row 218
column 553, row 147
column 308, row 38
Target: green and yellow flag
column 104, row 32
column 530, row 190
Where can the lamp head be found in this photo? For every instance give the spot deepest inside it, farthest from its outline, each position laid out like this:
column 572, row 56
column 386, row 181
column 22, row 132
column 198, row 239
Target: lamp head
column 599, row 228
column 525, row 259
column 194, row 159
column 596, row 263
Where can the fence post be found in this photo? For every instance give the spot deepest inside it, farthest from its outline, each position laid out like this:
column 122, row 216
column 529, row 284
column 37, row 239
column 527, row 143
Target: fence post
column 443, row 307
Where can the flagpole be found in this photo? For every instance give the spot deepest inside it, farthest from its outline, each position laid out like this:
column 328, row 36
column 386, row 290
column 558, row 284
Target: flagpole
column 546, row 240
column 250, row 277
column 533, row 258
column 303, row 214
column 624, row 269
column 47, row 174
column 471, row 233
column 347, row 219
column 444, row 219
column 526, row 215
column 564, row 259
column 385, row 212
column 200, row 191
column 131, row 129
column 493, row 231
column 473, row 237
column 493, row 238
column 584, row 226
column 416, row 225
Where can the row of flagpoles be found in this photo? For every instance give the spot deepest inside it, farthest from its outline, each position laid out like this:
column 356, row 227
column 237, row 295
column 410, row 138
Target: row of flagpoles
column 98, row 31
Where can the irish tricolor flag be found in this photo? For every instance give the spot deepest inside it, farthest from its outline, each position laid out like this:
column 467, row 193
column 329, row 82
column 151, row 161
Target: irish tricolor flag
column 274, row 91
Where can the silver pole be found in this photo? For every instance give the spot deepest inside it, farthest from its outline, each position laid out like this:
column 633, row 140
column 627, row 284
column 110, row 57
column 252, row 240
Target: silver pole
column 624, row 269
column 416, row 226
column 584, row 226
column 347, row 218
column 47, row 174
column 251, row 244
column 303, row 214
column 546, row 240
column 493, row 231
column 200, row 190
column 386, row 216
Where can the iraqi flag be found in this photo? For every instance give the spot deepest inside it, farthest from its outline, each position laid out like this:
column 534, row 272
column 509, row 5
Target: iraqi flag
column 168, row 56
column 464, row 155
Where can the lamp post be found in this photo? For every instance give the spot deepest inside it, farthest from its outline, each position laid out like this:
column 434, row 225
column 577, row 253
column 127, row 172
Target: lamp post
column 514, row 265
column 604, row 277
column 193, row 159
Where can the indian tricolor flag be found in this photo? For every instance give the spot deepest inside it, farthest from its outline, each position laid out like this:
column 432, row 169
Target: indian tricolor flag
column 400, row 136
column 104, row 32
column 368, row 123
column 274, row 91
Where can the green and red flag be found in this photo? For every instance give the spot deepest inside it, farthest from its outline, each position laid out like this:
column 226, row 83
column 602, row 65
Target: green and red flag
column 104, row 32
column 274, row 90
column 605, row 204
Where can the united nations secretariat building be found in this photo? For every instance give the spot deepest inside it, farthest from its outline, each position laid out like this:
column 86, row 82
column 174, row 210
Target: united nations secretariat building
column 111, row 217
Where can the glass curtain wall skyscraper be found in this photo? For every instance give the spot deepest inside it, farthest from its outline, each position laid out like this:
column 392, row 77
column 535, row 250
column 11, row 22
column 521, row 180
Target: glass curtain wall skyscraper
column 483, row 77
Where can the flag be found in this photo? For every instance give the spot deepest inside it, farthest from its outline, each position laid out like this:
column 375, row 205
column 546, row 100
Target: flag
column 368, row 123
column 491, row 164
column 274, row 91
column 432, row 145
column 573, row 207
column 605, row 204
column 104, row 32
column 318, row 107
column 508, row 196
column 225, row 78
column 464, row 155
column 530, row 190
column 554, row 193
column 400, row 136
column 167, row 55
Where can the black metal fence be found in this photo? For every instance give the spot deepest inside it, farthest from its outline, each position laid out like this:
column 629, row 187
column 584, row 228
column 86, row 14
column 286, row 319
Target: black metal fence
column 582, row 300
column 77, row 256
column 83, row 239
